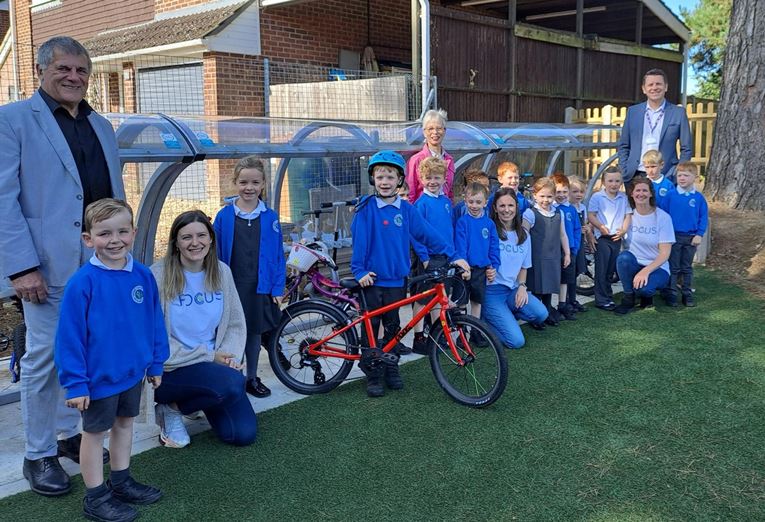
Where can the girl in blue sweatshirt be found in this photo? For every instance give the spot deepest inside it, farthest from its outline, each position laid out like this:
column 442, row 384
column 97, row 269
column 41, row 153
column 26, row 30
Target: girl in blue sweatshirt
column 249, row 240
column 476, row 240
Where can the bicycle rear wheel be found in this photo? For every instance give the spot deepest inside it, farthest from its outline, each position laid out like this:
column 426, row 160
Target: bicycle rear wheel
column 482, row 377
column 303, row 324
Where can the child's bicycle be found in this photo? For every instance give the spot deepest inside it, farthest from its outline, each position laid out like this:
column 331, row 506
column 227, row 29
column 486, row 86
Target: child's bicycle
column 321, row 343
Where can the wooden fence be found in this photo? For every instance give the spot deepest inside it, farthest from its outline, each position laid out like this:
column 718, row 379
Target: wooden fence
column 584, row 163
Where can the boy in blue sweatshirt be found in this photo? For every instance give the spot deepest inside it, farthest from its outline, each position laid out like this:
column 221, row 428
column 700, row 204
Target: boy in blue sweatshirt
column 476, row 240
column 690, row 216
column 662, row 186
column 436, row 209
column 111, row 334
column 573, row 227
column 383, row 228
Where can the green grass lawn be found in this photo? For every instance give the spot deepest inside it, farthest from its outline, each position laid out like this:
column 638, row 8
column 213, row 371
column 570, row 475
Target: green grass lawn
column 659, row 415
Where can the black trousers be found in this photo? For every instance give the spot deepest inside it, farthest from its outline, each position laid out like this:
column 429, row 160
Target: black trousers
column 376, row 297
column 605, row 266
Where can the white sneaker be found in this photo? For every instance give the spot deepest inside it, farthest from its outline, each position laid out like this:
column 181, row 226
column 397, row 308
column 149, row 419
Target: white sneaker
column 173, row 432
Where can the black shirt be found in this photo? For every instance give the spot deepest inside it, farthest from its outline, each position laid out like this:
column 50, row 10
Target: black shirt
column 86, row 150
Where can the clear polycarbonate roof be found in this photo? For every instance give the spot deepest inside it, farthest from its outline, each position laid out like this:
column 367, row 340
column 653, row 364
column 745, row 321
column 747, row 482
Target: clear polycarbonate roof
column 165, row 138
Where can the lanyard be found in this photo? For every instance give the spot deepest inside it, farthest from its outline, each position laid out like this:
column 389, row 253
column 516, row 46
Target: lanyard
column 659, row 115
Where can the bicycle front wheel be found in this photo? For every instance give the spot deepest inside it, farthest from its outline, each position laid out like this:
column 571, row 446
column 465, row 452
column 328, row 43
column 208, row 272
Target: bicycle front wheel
column 303, row 324
column 482, row 376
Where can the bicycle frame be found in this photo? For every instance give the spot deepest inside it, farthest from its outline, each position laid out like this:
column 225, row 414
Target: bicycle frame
column 438, row 292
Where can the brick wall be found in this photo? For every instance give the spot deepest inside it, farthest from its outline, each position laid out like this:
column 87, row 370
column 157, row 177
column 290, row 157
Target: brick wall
column 162, row 6
column 314, row 32
column 5, row 23
column 82, row 19
column 25, row 50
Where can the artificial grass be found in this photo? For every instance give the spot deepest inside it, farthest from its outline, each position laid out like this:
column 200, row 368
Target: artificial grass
column 659, row 415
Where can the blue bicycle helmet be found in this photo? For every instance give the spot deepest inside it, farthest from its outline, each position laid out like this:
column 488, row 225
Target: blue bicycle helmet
column 387, row 157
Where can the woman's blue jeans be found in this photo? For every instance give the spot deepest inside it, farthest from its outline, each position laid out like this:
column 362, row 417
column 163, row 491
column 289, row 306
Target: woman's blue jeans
column 217, row 390
column 499, row 311
column 627, row 267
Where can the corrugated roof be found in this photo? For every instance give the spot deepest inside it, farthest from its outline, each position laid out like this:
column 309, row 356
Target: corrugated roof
column 163, row 32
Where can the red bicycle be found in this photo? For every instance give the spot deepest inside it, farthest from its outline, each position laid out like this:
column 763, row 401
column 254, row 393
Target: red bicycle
column 321, row 343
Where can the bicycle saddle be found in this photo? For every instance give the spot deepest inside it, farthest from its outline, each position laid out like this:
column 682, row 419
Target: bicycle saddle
column 350, row 283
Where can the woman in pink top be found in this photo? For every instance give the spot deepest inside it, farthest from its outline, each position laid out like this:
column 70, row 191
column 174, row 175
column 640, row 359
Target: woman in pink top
column 434, row 129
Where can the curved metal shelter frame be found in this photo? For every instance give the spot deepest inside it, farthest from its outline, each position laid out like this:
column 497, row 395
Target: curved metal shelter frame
column 176, row 142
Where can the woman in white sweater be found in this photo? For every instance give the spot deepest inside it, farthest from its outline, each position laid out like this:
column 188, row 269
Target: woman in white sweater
column 205, row 324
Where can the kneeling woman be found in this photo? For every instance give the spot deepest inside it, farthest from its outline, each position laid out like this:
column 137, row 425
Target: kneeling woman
column 205, row 323
column 644, row 268
column 507, row 297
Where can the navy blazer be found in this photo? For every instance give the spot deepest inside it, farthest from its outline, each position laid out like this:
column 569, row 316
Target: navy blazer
column 40, row 191
column 674, row 127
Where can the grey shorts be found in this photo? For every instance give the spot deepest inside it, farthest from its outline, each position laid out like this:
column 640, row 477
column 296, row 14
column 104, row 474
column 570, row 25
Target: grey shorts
column 101, row 413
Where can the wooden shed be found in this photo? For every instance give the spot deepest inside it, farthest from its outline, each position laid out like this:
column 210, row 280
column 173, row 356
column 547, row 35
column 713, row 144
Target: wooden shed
column 527, row 60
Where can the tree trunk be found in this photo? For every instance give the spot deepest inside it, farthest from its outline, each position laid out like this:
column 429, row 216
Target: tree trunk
column 737, row 164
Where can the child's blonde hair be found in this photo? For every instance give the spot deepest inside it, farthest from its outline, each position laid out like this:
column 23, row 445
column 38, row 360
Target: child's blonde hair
column 475, row 188
column 431, row 165
column 251, row 162
column 475, row 175
column 689, row 167
column 576, row 181
column 507, row 167
column 652, row 157
column 543, row 183
column 104, row 209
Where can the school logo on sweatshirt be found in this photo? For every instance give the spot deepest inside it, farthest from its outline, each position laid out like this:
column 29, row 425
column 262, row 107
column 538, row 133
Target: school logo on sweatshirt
column 663, row 191
column 485, row 233
column 275, row 226
column 137, row 294
column 446, row 207
column 398, row 220
column 692, row 202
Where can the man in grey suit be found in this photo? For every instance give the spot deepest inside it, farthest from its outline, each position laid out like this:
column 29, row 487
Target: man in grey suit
column 57, row 156
column 654, row 125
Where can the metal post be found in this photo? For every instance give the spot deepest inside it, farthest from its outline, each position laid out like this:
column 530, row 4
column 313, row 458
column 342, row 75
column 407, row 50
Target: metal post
column 511, row 18
column 15, row 46
column 266, row 88
column 684, row 97
column 416, row 53
column 579, row 53
column 425, row 23
column 638, row 58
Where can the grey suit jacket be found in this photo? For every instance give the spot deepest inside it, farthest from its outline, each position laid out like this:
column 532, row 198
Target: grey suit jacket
column 674, row 128
column 41, row 195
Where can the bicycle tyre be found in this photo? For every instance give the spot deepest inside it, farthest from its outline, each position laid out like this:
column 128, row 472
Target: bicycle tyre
column 306, row 322
column 585, row 282
column 461, row 383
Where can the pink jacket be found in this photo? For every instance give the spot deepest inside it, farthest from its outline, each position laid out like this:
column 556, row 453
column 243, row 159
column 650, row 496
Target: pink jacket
column 413, row 180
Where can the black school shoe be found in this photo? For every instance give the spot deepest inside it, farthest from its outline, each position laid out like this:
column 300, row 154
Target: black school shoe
column 567, row 311
column 132, row 492
column 646, row 302
column 689, row 301
column 107, row 508
column 70, row 448
column 420, row 344
column 608, row 307
column 46, row 477
column 393, row 378
column 538, row 326
column 578, row 307
column 256, row 388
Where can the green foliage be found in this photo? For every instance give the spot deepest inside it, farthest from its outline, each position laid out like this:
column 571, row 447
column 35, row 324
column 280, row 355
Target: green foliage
column 656, row 416
column 709, row 21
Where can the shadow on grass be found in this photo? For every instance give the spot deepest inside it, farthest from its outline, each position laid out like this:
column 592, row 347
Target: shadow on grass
column 654, row 416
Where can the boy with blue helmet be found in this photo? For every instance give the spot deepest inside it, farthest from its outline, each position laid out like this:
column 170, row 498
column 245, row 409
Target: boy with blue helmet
column 382, row 229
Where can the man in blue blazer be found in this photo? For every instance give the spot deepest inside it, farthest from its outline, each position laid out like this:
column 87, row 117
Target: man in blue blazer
column 654, row 125
column 57, row 156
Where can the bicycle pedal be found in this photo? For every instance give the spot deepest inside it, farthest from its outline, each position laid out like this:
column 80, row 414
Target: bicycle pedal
column 389, row 358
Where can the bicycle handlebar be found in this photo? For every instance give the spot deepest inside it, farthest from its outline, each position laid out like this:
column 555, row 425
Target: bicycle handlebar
column 436, row 275
column 349, row 203
column 316, row 212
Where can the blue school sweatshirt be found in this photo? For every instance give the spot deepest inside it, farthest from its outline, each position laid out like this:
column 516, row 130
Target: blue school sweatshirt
column 111, row 331
column 476, row 241
column 272, row 266
column 662, row 189
column 573, row 226
column 523, row 203
column 436, row 211
column 689, row 212
column 382, row 237
column 459, row 210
